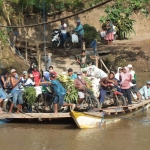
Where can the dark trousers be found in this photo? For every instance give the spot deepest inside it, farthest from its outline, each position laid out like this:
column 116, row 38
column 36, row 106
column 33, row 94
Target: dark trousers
column 102, row 95
column 127, row 94
column 81, row 39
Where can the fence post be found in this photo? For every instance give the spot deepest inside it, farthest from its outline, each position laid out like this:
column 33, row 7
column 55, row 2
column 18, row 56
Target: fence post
column 49, row 59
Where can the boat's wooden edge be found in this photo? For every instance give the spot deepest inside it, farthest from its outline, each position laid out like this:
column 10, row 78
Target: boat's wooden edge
column 34, row 115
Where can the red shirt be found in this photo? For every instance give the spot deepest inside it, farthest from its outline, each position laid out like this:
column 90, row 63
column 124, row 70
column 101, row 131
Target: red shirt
column 37, row 77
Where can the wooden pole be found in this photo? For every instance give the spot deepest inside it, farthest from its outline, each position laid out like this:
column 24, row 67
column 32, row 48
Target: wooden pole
column 38, row 55
column 83, row 46
column 104, row 65
column 49, row 60
column 26, row 49
column 96, row 60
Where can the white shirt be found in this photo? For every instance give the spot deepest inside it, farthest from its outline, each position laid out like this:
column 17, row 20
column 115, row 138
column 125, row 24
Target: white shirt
column 63, row 28
column 29, row 82
column 132, row 72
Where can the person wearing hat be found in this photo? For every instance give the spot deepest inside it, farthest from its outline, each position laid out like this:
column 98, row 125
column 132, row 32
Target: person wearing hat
column 71, row 74
column 133, row 85
column 81, row 85
column 145, row 91
column 24, row 77
column 59, row 92
column 16, row 91
column 104, row 83
column 132, row 72
column 84, row 71
column 36, row 75
column 80, row 31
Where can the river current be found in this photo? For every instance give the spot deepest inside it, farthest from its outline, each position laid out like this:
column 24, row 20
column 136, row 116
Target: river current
column 128, row 134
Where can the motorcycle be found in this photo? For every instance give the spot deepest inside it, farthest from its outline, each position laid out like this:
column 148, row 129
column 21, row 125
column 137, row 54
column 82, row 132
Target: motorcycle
column 114, row 97
column 71, row 41
column 57, row 39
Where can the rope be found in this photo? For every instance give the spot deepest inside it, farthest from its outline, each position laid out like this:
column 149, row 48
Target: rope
column 32, row 25
column 101, row 119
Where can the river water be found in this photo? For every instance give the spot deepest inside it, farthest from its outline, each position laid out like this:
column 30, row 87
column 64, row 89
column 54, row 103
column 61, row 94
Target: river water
column 128, row 134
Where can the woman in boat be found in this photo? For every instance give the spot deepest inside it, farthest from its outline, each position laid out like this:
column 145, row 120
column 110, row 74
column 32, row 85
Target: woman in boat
column 105, row 82
column 126, row 78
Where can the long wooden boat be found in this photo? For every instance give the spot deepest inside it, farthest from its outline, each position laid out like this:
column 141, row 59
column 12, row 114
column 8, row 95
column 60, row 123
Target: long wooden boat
column 107, row 115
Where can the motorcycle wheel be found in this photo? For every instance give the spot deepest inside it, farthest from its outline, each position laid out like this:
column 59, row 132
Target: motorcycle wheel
column 68, row 44
column 92, row 102
column 121, row 100
column 55, row 45
column 137, row 100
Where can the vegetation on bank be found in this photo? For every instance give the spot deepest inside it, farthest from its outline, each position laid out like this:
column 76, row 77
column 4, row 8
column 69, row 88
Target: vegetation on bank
column 120, row 14
column 119, row 11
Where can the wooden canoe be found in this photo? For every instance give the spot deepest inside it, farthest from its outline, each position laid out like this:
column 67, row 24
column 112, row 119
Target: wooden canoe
column 107, row 116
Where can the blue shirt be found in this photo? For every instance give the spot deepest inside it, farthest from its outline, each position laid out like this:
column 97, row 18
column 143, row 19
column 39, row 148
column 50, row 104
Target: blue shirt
column 73, row 76
column 94, row 44
column 58, row 88
column 79, row 29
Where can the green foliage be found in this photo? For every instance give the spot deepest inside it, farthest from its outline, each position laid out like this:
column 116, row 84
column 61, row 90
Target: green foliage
column 119, row 13
column 90, row 33
column 30, row 95
column 71, row 91
column 3, row 36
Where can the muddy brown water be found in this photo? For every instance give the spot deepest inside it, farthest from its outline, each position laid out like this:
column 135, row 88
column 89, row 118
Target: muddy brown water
column 128, row 134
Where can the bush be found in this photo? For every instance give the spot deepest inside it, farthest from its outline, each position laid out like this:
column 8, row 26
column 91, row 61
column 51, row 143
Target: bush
column 90, row 34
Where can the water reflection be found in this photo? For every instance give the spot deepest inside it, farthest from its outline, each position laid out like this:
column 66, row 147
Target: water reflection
column 125, row 135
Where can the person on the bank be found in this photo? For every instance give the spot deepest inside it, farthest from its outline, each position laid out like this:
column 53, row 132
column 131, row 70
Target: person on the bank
column 63, row 29
column 80, row 31
column 125, row 79
column 72, row 75
column 145, row 91
column 104, row 83
column 83, row 59
column 16, row 91
column 81, row 85
column 109, row 32
column 36, row 75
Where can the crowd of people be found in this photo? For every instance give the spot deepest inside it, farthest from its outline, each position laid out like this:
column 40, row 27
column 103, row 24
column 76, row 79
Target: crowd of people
column 124, row 79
